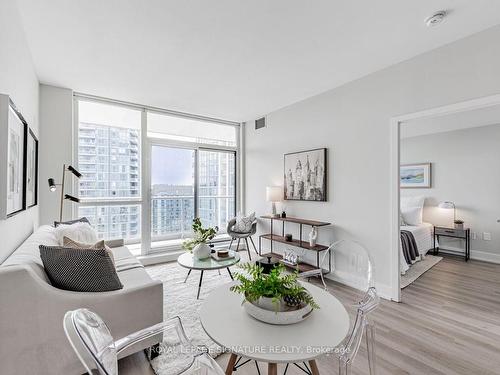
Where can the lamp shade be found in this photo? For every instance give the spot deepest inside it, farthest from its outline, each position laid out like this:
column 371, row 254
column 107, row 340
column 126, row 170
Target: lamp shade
column 274, row 194
column 447, row 205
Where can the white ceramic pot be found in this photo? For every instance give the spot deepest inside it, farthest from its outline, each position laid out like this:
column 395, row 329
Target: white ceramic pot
column 201, row 251
column 290, row 315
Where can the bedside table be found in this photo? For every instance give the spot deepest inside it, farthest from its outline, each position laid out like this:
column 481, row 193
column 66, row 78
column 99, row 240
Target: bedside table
column 463, row 234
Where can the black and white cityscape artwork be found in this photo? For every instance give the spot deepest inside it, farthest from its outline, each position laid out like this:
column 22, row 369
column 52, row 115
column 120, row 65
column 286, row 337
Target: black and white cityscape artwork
column 305, row 175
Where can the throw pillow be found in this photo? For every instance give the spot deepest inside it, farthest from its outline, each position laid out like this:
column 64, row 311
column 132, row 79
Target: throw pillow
column 80, row 270
column 68, row 242
column 80, row 232
column 80, row 220
column 244, row 223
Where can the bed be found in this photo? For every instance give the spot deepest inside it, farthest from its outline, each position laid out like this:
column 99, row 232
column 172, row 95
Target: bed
column 423, row 238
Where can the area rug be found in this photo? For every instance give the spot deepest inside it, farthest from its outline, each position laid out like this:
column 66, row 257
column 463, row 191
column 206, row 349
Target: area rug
column 179, row 299
column 418, row 269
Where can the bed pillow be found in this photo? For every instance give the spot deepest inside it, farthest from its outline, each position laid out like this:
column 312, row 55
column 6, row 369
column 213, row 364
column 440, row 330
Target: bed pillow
column 411, row 202
column 80, row 270
column 80, row 232
column 68, row 242
column 402, row 221
column 412, row 215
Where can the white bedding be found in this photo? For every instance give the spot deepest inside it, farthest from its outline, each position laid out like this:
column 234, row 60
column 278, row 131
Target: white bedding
column 423, row 238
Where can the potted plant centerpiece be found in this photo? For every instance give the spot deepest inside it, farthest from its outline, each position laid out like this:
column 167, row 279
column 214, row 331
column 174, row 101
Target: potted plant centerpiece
column 198, row 245
column 276, row 297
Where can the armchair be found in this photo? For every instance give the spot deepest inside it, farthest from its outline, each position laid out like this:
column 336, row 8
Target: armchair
column 239, row 236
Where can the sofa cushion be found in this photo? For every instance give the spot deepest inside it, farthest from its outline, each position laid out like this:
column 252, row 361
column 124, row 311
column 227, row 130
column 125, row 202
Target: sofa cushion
column 80, row 270
column 68, row 242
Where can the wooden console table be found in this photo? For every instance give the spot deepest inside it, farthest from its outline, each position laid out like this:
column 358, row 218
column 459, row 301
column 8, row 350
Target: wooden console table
column 302, row 266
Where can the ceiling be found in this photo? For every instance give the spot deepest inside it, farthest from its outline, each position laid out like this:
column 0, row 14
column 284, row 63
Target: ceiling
column 230, row 59
column 451, row 122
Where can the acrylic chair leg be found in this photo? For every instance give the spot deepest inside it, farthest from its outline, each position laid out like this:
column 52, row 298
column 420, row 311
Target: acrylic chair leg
column 323, row 281
column 344, row 368
column 370, row 347
column 248, row 249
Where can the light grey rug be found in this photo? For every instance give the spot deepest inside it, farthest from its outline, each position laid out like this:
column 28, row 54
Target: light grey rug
column 418, row 269
column 179, row 299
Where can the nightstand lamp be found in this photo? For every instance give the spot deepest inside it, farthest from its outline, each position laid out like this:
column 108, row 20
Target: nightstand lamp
column 447, row 205
column 274, row 194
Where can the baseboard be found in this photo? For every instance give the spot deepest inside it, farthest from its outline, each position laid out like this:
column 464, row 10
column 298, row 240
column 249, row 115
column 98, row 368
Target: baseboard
column 383, row 290
column 474, row 254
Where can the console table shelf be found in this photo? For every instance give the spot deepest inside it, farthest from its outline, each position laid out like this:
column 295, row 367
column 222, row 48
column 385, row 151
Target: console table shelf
column 302, row 266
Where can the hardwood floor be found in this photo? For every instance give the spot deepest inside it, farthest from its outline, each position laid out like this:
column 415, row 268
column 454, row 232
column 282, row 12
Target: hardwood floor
column 448, row 323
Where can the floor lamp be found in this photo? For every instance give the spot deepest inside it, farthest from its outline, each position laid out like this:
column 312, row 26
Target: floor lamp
column 53, row 187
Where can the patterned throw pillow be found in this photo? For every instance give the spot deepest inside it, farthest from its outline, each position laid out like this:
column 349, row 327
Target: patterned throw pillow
column 244, row 223
column 80, row 270
column 68, row 242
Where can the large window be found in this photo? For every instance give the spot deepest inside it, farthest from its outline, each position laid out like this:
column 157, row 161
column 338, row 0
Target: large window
column 109, row 139
column 189, row 165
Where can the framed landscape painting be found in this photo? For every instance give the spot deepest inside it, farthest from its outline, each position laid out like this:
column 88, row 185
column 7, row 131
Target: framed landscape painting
column 305, row 175
column 416, row 176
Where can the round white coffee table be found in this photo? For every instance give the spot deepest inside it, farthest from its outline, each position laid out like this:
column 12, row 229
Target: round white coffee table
column 226, row 322
column 187, row 260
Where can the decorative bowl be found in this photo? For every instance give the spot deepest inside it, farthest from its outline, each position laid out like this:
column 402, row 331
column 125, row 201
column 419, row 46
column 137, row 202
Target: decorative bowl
column 285, row 315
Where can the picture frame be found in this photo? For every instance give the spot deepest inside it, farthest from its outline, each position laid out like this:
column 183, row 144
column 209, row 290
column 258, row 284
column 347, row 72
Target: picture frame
column 13, row 135
column 415, row 176
column 305, row 175
column 31, row 170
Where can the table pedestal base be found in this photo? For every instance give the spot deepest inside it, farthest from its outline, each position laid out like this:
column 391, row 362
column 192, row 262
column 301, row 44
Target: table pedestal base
column 272, row 368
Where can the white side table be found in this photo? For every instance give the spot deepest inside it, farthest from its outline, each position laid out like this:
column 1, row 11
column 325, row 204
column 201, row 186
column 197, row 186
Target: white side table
column 226, row 322
column 187, row 260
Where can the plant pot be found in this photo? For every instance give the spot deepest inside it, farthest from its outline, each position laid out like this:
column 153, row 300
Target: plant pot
column 201, row 251
column 288, row 315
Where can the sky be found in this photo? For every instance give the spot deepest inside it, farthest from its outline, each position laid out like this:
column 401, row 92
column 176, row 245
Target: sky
column 172, row 166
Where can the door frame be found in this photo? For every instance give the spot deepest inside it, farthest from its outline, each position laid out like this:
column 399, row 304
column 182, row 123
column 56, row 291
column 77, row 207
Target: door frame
column 395, row 152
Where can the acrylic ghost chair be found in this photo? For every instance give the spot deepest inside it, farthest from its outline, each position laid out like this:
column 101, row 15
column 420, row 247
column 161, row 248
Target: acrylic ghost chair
column 91, row 340
column 325, row 258
column 351, row 259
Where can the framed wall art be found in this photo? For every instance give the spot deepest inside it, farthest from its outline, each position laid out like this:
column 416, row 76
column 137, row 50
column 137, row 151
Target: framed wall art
column 415, row 176
column 13, row 135
column 31, row 170
column 305, row 175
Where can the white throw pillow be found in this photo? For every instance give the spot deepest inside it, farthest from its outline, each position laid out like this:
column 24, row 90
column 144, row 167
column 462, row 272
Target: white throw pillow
column 244, row 223
column 412, row 215
column 80, row 232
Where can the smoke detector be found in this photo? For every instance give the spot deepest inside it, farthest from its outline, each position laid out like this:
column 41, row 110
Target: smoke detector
column 435, row 19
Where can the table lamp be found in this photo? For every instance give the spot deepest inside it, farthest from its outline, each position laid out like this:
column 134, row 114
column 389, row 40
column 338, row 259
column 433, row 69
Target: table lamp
column 447, row 205
column 274, row 194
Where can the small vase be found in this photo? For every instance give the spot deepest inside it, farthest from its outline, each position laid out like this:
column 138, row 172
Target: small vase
column 201, row 251
column 313, row 236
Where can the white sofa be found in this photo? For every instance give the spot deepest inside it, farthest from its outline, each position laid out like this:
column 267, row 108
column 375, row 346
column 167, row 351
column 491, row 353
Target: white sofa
column 32, row 339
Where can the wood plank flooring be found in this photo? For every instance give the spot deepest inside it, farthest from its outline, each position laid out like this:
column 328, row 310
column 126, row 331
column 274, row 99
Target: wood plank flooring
column 448, row 323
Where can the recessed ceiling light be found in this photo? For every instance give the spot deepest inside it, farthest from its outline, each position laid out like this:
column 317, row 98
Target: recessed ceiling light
column 436, row 18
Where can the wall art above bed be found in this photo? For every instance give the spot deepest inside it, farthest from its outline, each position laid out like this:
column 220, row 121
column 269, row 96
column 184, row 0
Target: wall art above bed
column 305, row 175
column 415, row 176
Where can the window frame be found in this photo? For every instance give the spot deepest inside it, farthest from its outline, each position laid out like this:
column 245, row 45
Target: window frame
column 144, row 200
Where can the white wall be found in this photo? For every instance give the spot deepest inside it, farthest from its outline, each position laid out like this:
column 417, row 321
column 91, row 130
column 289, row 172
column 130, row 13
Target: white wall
column 56, row 148
column 17, row 79
column 353, row 122
column 465, row 170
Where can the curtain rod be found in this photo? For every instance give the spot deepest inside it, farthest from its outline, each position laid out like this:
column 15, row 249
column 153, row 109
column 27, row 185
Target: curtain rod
column 155, row 109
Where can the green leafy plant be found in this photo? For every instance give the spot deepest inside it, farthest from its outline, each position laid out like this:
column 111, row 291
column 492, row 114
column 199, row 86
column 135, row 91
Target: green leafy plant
column 276, row 285
column 201, row 235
